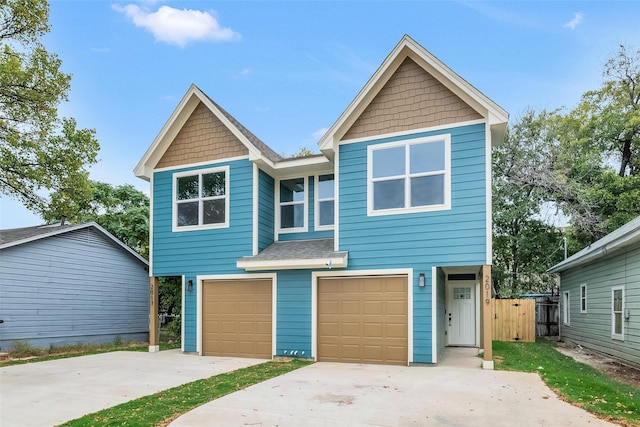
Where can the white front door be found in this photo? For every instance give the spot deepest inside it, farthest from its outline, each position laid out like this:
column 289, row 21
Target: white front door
column 461, row 313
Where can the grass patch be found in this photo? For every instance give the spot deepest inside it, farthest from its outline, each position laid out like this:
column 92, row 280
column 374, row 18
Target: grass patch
column 22, row 352
column 575, row 382
column 161, row 408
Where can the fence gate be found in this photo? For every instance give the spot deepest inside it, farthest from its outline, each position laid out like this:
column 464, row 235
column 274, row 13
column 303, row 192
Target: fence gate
column 514, row 320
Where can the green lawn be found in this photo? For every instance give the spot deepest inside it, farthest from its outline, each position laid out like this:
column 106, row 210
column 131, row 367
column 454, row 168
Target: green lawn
column 161, row 408
column 575, row 382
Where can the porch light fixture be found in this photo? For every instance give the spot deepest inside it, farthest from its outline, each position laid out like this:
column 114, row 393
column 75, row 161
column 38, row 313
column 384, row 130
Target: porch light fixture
column 421, row 279
column 189, row 285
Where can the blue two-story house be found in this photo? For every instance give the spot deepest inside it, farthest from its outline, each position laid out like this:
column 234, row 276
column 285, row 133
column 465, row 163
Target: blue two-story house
column 378, row 250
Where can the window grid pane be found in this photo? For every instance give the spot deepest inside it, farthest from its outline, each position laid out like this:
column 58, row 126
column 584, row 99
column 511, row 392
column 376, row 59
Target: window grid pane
column 420, row 166
column 201, row 199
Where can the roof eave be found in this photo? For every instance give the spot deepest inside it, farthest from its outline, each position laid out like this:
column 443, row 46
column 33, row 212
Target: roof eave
column 55, row 232
column 194, row 96
column 617, row 240
column 496, row 116
column 250, row 264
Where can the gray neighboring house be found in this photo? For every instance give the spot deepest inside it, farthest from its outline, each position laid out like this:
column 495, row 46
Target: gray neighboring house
column 70, row 284
column 600, row 294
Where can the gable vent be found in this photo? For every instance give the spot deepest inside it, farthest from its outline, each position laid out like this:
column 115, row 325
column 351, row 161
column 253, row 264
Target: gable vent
column 88, row 236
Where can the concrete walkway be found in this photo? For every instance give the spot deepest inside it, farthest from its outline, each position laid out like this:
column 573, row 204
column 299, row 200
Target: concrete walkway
column 457, row 392
column 53, row 392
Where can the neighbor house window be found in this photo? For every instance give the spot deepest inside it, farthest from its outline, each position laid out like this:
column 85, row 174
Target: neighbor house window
column 409, row 176
column 325, row 201
column 617, row 307
column 293, row 204
column 201, row 199
column 583, row 298
column 565, row 308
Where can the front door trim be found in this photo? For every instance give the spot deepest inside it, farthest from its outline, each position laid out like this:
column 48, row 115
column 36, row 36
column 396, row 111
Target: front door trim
column 474, row 287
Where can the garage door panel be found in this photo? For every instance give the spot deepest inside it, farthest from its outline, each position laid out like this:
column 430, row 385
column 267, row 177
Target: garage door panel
column 237, row 318
column 363, row 320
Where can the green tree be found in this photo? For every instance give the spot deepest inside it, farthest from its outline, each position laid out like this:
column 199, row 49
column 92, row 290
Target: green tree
column 610, row 116
column 121, row 210
column 39, row 151
column 524, row 245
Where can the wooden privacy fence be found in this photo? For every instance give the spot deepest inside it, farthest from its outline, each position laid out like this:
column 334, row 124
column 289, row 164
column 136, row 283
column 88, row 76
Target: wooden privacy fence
column 514, row 320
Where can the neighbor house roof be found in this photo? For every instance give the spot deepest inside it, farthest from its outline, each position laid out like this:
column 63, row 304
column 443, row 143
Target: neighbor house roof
column 621, row 238
column 18, row 236
column 296, row 254
column 408, row 48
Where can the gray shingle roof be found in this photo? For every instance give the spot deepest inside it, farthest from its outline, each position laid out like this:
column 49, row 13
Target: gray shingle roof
column 257, row 142
column 16, row 234
column 297, row 249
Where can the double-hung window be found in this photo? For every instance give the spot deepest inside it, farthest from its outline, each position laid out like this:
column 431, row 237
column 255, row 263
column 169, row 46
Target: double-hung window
column 566, row 311
column 201, row 199
column 293, row 204
column 409, row 176
column 617, row 307
column 583, row 298
column 325, row 202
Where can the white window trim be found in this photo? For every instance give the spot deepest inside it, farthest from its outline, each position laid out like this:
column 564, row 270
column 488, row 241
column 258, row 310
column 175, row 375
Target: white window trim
column 615, row 336
column 447, row 176
column 583, row 298
column 566, row 311
column 278, row 205
column 317, row 201
column 200, row 172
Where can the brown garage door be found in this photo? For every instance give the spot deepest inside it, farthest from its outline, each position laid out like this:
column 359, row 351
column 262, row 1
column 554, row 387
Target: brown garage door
column 236, row 319
column 363, row 320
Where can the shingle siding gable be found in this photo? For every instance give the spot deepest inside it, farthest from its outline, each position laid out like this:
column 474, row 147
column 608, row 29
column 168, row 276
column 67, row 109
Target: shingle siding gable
column 411, row 99
column 202, row 138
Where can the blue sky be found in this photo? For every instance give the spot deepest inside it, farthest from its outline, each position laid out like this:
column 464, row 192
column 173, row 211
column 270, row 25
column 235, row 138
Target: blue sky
column 287, row 69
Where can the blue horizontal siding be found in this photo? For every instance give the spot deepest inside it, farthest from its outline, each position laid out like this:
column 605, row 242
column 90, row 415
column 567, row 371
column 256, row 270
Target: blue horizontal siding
column 202, row 252
column 197, row 251
column 455, row 237
column 294, row 313
column 266, row 211
column 64, row 290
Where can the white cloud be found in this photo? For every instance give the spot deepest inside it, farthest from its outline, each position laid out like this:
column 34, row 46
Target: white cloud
column 319, row 134
column 178, row 26
column 577, row 19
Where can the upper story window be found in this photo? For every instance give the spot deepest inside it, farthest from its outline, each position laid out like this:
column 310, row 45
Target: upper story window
column 325, row 202
column 409, row 176
column 293, row 204
column 201, row 199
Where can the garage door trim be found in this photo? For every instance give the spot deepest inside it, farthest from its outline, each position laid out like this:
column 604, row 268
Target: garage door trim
column 408, row 272
column 258, row 276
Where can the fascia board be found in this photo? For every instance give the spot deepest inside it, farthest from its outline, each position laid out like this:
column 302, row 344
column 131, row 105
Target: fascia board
column 172, row 126
column 619, row 239
column 178, row 118
column 407, row 47
column 296, row 264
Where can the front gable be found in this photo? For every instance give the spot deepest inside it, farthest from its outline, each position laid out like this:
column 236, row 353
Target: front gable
column 411, row 99
column 203, row 137
column 413, row 90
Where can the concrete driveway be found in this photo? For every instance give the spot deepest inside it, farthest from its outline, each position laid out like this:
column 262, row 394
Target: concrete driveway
column 455, row 393
column 337, row 394
column 50, row 393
